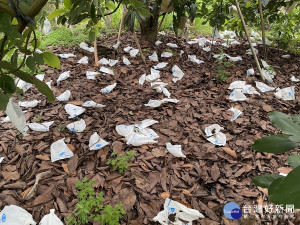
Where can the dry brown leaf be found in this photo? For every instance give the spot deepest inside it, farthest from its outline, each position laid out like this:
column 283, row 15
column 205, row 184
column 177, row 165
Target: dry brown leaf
column 71, row 147
column 165, row 195
column 43, row 157
column 65, row 167
column 25, row 193
column 230, row 152
column 186, row 192
column 76, row 102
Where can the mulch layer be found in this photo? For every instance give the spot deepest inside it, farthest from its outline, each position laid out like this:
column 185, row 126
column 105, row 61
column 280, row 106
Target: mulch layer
column 205, row 180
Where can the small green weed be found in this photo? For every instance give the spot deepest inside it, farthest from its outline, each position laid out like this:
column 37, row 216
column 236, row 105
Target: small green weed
column 222, row 74
column 90, row 207
column 38, row 119
column 61, row 128
column 121, row 162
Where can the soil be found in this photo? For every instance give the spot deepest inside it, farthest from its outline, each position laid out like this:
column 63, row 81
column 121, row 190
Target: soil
column 205, row 180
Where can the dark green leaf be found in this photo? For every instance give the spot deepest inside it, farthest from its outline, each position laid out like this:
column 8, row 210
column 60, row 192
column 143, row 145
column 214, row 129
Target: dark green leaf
column 14, row 59
column 275, row 144
column 6, row 65
column 56, row 13
column 68, row 4
column 51, row 59
column 30, row 63
column 285, row 123
column 294, row 160
column 38, row 58
column 3, row 101
column 7, row 84
column 265, row 180
column 93, row 13
column 288, row 190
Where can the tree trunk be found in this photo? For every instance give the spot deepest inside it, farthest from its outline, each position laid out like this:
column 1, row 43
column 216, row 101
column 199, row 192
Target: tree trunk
column 149, row 27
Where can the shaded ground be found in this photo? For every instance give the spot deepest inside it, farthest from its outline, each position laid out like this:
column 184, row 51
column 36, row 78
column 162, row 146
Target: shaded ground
column 206, row 179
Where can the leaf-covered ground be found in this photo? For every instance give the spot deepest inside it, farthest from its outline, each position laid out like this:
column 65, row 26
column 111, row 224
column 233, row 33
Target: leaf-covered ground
column 205, row 180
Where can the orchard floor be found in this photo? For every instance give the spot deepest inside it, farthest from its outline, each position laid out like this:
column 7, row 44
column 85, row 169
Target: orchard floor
column 205, row 180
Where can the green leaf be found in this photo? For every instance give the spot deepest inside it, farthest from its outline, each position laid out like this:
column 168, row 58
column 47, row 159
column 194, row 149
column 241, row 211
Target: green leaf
column 3, row 101
column 56, row 13
column 288, row 190
column 93, row 13
column 68, row 4
column 38, row 58
column 265, row 181
column 286, row 123
column 30, row 63
column 110, row 5
column 294, row 160
column 14, row 21
column 40, row 85
column 275, row 144
column 51, row 59
column 7, row 84
column 14, row 59
column 6, row 65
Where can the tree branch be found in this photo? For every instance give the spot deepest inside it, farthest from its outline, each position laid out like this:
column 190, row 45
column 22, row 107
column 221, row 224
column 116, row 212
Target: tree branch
column 4, row 7
column 118, row 6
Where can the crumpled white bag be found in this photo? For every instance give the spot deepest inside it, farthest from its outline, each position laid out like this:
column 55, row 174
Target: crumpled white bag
column 126, row 61
column 29, row 104
column 250, row 72
column 286, row 56
column 263, row 87
column 159, row 86
column 193, row 58
column 104, row 69
column 96, row 143
column 160, row 65
column 47, row 27
column 181, row 52
column 154, row 57
column 25, row 86
column 51, row 219
column 1, row 159
column 63, row 76
column 59, row 150
column 249, row 52
column 153, row 76
column 287, row 93
column 64, row 96
column 182, row 213
column 108, row 88
column 294, row 79
column 49, row 84
column 133, row 52
column 77, row 126
column 142, row 79
column 116, row 46
column 157, row 43
column 166, row 54
column 138, row 134
column 110, row 62
column 91, row 75
column 127, row 49
column 248, row 89
column 86, row 47
column 171, row 45
column 177, row 73
column 15, row 114
column 40, row 76
column 236, row 113
column 103, row 61
column 207, row 49
column 42, row 127
column 215, row 135
column 237, row 95
column 65, row 56
column 74, row 110
column 268, row 73
column 15, row 215
column 200, row 41
column 175, row 150
column 229, row 33
column 83, row 60
column 157, row 103
column 234, row 59
column 92, row 104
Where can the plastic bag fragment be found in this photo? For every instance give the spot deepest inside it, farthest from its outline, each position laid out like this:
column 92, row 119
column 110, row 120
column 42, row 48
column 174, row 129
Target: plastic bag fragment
column 285, row 93
column 172, row 45
column 51, row 219
column 194, row 59
column 207, row 49
column 250, row 72
column 66, row 56
column 74, row 110
column 157, row 103
column 126, row 61
column 108, row 88
column 116, row 46
column 92, row 104
column 83, row 60
column 154, row 57
column 215, row 135
column 160, row 65
column 175, row 150
column 42, row 127
column 133, row 52
column 294, row 79
column 96, row 143
column 40, row 76
column 180, row 211
column 15, row 215
column 127, row 49
column 25, row 86
column 142, row 79
column 91, row 75
column 59, row 150
column 237, row 95
column 104, row 69
column 157, row 43
column 153, row 76
column 77, row 126
column 166, row 54
column 29, row 104
column 64, row 96
column 236, row 113
column 177, row 73
column 63, row 76
column 1, row 159
column 86, row 47
column 263, row 87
